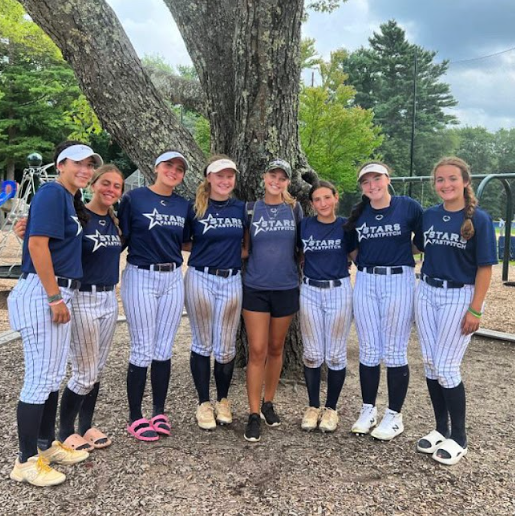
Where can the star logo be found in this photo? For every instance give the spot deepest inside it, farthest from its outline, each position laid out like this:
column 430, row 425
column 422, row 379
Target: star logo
column 99, row 239
column 308, row 244
column 260, row 225
column 155, row 218
column 209, row 223
column 79, row 227
column 362, row 231
column 428, row 235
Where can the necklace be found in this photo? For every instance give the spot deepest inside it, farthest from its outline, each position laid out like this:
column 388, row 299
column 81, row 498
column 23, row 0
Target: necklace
column 272, row 210
column 219, row 206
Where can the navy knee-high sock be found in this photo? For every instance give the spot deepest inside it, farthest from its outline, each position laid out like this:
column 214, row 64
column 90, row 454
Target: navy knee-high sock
column 369, row 377
column 70, row 405
column 29, row 417
column 223, row 377
column 160, row 378
column 312, row 376
column 398, row 381
column 88, row 409
column 456, row 405
column 47, row 428
column 335, row 381
column 136, row 380
column 439, row 406
column 201, row 372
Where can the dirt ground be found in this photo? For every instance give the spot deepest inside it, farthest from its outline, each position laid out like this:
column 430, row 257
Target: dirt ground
column 289, row 472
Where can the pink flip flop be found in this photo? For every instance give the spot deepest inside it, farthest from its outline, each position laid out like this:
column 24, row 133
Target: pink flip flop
column 161, row 424
column 139, row 427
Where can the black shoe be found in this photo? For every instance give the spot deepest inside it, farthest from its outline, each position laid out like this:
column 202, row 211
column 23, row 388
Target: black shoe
column 253, row 429
column 269, row 415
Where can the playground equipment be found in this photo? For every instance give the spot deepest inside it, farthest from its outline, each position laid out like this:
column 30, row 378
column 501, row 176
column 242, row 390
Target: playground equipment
column 14, row 202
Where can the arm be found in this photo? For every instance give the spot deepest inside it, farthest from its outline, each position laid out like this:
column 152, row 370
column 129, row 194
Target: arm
column 246, row 245
column 42, row 260
column 470, row 322
column 415, row 249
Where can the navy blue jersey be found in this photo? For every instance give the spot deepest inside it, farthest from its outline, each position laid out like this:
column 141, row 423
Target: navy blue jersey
column 325, row 248
column 101, row 248
column 272, row 262
column 53, row 215
column 447, row 255
column 218, row 235
column 153, row 226
column 385, row 235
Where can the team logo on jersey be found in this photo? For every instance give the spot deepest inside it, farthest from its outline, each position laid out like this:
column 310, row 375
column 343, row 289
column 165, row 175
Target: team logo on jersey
column 379, row 217
column 220, row 223
column 102, row 222
column 444, row 238
column 104, row 240
column 446, row 218
column 163, row 202
column 321, row 245
column 273, row 225
column 388, row 230
column 162, row 219
column 79, row 225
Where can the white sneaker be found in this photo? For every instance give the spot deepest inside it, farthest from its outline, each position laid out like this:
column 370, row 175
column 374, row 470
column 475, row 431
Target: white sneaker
column 391, row 426
column 310, row 419
column 367, row 420
column 329, row 420
column 206, row 416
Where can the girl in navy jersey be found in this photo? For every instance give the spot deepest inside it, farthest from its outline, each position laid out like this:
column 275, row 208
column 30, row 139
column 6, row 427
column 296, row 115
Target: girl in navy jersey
column 270, row 292
column 383, row 295
column 325, row 304
column 94, row 312
column 153, row 223
column 39, row 308
column 459, row 247
column 213, row 287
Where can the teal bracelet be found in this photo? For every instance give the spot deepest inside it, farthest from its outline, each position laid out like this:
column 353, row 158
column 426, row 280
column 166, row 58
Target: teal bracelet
column 54, row 298
column 474, row 313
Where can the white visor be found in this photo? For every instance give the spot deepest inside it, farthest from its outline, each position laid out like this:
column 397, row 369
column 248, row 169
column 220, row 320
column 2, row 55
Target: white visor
column 167, row 156
column 219, row 165
column 78, row 153
column 376, row 168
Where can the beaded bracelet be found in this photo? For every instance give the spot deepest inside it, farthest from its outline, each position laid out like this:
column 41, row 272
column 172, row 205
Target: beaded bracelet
column 474, row 313
column 58, row 302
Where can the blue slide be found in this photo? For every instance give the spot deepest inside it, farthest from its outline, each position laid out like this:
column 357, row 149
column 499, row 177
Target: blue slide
column 7, row 190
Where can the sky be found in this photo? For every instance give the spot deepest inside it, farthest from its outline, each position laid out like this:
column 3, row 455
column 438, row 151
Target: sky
column 464, row 32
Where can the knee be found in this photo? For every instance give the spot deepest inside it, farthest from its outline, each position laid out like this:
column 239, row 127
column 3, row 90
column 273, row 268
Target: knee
column 312, row 360
column 257, row 354
column 336, row 363
column 275, row 349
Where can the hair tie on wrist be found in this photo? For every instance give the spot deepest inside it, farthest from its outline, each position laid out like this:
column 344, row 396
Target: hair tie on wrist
column 474, row 313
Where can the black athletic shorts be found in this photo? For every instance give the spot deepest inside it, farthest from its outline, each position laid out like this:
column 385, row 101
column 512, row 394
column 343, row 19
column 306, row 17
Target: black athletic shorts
column 278, row 303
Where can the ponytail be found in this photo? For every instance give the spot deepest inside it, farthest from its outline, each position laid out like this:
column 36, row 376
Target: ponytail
column 356, row 212
column 288, row 199
column 80, row 209
column 202, row 198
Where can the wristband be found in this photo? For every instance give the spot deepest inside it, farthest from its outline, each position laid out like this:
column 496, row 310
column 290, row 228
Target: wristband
column 58, row 302
column 474, row 313
column 55, row 297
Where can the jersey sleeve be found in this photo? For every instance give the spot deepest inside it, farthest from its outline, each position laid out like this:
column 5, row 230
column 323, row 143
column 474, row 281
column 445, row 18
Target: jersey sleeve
column 124, row 216
column 486, row 242
column 351, row 240
column 418, row 238
column 47, row 213
column 187, row 233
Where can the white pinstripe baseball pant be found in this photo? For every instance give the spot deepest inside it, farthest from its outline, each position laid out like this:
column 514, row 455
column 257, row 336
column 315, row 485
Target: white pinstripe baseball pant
column 325, row 320
column 439, row 312
column 383, row 314
column 153, row 303
column 45, row 344
column 213, row 304
column 94, row 318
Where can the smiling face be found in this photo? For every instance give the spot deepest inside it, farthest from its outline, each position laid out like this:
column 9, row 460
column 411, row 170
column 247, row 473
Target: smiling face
column 324, row 201
column 449, row 184
column 170, row 173
column 107, row 189
column 276, row 182
column 76, row 174
column 375, row 186
column 222, row 184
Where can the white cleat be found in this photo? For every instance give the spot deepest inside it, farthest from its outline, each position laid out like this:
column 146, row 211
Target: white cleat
column 366, row 421
column 391, row 426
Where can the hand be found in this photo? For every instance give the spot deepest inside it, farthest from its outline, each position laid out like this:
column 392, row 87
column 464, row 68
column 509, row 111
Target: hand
column 470, row 324
column 20, row 227
column 60, row 313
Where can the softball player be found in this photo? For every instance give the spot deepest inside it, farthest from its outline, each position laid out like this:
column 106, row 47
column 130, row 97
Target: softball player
column 94, row 312
column 459, row 246
column 153, row 223
column 213, row 287
column 270, row 292
column 325, row 304
column 39, row 308
column 383, row 295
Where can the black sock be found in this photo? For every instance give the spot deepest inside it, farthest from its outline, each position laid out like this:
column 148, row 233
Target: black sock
column 312, row 376
column 335, row 381
column 136, row 380
column 88, row 409
column 47, row 428
column 369, row 379
column 201, row 372
column 398, row 381
column 29, row 417
column 223, row 377
column 439, row 406
column 160, row 379
column 70, row 406
column 456, row 405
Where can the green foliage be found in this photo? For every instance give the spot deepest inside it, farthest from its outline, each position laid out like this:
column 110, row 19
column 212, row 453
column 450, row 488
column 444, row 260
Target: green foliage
column 157, row 61
column 326, row 6
column 309, row 57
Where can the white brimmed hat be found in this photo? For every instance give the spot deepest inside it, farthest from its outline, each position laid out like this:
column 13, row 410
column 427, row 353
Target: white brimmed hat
column 169, row 155
column 376, row 168
column 78, row 153
column 219, row 165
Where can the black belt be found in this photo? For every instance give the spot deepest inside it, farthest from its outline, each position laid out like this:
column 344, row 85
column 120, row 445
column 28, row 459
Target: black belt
column 159, row 267
column 97, row 288
column 322, row 283
column 383, row 271
column 438, row 283
column 222, row 273
column 61, row 282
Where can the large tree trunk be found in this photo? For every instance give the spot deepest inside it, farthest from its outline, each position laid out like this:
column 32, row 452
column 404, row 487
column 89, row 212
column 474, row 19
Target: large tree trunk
column 247, row 56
